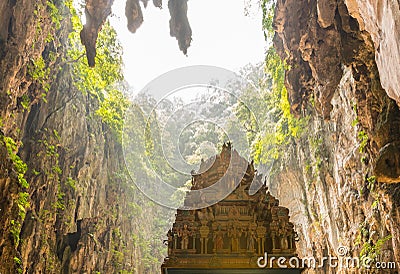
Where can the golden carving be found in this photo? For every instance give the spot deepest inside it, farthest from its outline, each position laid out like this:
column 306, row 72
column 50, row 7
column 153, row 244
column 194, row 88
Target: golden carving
column 234, row 232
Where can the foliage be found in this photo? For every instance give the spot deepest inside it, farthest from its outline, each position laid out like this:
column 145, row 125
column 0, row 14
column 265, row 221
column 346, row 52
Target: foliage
column 356, row 121
column 71, row 183
column 363, row 138
column 59, row 204
column 55, row 15
column 17, row 260
column 15, row 229
column 372, row 250
column 19, row 166
column 267, row 97
column 278, row 126
column 268, row 7
column 40, row 73
column 25, row 102
column 112, row 110
column 23, row 203
column 101, row 81
column 371, row 183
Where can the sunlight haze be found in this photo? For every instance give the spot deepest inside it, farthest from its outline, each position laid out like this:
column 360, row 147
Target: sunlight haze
column 225, row 39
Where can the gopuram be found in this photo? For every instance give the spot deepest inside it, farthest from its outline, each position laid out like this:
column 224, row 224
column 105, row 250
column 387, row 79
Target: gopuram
column 229, row 233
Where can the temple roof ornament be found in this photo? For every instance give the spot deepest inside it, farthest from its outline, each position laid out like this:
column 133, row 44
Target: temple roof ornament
column 230, row 232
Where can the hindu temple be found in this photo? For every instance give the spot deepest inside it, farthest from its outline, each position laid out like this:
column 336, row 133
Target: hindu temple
column 225, row 229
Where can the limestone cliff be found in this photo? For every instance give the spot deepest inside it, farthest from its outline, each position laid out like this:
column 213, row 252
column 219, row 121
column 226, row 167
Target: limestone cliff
column 341, row 180
column 64, row 202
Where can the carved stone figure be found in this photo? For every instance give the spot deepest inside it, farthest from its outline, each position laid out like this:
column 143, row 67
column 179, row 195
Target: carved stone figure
column 170, row 241
column 233, row 213
column 234, row 234
column 219, row 240
column 184, row 235
column 251, row 238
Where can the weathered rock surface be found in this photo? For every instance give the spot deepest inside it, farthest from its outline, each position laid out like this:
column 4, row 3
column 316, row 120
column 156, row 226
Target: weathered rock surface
column 179, row 23
column 96, row 12
column 381, row 19
column 157, row 3
column 387, row 167
column 333, row 180
column 82, row 215
column 133, row 13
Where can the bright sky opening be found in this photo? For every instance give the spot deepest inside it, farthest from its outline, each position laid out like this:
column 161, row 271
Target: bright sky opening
column 223, row 36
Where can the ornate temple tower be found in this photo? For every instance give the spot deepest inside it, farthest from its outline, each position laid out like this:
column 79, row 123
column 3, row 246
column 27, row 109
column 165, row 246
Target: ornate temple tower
column 229, row 236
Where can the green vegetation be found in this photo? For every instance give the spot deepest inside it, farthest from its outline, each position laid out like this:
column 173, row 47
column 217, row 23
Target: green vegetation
column 375, row 204
column 44, row 12
column 50, row 144
column 112, row 110
column 371, row 250
column 268, row 8
column 316, row 144
column 361, row 135
column 55, row 15
column 40, row 73
column 19, row 166
column 371, row 183
column 18, row 263
column 22, row 201
column 363, row 138
column 100, row 82
column 279, row 127
column 71, row 183
column 15, row 230
column 17, row 260
column 355, row 121
column 362, row 234
column 25, row 101
column 282, row 127
column 60, row 201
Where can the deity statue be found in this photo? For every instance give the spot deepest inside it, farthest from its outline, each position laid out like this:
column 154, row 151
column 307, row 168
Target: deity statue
column 233, row 213
column 170, row 241
column 283, row 235
column 251, row 238
column 234, row 234
column 184, row 234
column 210, row 214
column 219, row 240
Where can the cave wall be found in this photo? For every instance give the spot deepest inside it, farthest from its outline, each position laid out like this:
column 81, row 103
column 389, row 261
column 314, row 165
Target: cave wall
column 78, row 217
column 381, row 19
column 340, row 180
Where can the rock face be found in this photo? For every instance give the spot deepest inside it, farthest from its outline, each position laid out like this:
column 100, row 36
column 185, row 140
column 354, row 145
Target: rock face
column 381, row 19
column 334, row 179
column 179, row 24
column 134, row 14
column 387, row 167
column 96, row 12
column 78, row 213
